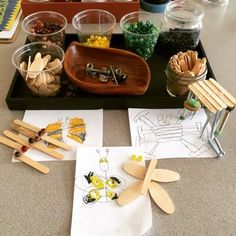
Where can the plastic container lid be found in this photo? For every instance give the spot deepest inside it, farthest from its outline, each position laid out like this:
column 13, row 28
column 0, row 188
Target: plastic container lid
column 151, row 7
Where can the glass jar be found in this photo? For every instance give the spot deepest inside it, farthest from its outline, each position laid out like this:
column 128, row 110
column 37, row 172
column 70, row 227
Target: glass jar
column 216, row 2
column 177, row 85
column 182, row 23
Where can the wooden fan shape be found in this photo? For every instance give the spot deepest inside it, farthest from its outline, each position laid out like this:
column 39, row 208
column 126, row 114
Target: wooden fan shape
column 146, row 183
column 77, row 56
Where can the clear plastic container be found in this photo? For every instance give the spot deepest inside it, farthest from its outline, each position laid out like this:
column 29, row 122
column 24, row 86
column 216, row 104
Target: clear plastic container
column 45, row 26
column 141, row 31
column 94, row 27
column 40, row 65
column 182, row 24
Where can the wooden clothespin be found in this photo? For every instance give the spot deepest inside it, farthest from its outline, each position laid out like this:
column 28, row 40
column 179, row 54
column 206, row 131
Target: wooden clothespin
column 20, row 156
column 35, row 145
column 146, row 183
column 25, row 129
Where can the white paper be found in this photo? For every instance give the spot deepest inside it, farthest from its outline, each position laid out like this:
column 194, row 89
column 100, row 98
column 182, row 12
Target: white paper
column 162, row 134
column 104, row 217
column 41, row 118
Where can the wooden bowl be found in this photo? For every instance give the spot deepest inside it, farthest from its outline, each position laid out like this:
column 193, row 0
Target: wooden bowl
column 137, row 70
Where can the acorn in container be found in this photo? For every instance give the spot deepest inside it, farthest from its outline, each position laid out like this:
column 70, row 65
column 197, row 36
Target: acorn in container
column 40, row 65
column 183, row 69
column 45, row 26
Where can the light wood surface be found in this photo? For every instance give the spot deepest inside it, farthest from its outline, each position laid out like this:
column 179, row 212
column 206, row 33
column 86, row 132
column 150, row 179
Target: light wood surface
column 161, row 198
column 40, row 167
column 130, row 194
column 148, row 176
column 35, row 145
column 135, row 170
column 212, row 95
column 165, row 176
column 44, row 137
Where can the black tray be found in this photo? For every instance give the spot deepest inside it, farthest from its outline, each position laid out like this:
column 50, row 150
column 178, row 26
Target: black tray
column 19, row 96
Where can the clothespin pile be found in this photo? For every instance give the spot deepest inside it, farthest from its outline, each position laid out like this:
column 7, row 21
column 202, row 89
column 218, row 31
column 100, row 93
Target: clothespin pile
column 33, row 135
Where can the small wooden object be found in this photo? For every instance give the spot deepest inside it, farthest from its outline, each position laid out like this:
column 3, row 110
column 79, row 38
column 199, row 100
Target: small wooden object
column 212, row 95
column 217, row 101
column 148, row 176
column 35, row 145
column 44, row 137
column 137, row 70
column 40, row 167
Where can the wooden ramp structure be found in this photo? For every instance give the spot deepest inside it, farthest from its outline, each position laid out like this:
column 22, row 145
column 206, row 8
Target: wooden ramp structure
column 218, row 103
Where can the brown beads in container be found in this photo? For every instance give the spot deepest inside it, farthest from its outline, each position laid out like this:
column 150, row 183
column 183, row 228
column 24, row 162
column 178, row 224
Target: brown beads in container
column 45, row 26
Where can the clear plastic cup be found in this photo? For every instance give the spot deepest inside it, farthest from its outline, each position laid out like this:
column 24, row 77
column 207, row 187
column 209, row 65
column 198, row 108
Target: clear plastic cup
column 94, row 27
column 45, row 26
column 40, row 65
column 141, row 31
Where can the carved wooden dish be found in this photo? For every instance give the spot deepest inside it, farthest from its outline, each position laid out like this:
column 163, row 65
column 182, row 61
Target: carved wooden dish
column 137, row 70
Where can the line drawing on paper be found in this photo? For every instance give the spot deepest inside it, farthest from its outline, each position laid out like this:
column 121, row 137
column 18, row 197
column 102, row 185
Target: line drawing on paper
column 168, row 128
column 100, row 188
column 64, row 128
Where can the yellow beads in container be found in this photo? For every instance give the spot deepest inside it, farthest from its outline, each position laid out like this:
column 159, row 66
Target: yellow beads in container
column 94, row 27
column 97, row 41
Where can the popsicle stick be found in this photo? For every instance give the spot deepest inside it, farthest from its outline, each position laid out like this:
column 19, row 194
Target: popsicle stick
column 203, row 100
column 48, row 151
column 161, row 198
column 22, row 130
column 208, row 96
column 212, row 94
column 148, row 176
column 224, row 120
column 44, row 137
column 56, row 142
column 219, row 93
column 224, row 91
column 10, row 143
column 165, row 176
column 26, row 125
column 130, row 194
column 16, row 138
column 135, row 170
column 36, row 145
column 40, row 167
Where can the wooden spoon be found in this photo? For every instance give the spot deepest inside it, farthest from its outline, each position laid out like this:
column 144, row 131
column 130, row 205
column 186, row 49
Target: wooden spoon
column 161, row 198
column 130, row 194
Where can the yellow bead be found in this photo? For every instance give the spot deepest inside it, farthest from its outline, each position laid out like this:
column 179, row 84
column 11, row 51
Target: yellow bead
column 140, row 158
column 133, row 157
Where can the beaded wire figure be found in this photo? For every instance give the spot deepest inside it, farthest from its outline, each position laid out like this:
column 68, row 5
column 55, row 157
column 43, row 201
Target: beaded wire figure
column 218, row 105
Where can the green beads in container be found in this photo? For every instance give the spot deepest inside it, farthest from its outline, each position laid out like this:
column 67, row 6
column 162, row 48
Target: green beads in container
column 141, row 31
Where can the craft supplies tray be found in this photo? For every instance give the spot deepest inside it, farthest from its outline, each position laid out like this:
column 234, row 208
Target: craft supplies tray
column 71, row 97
